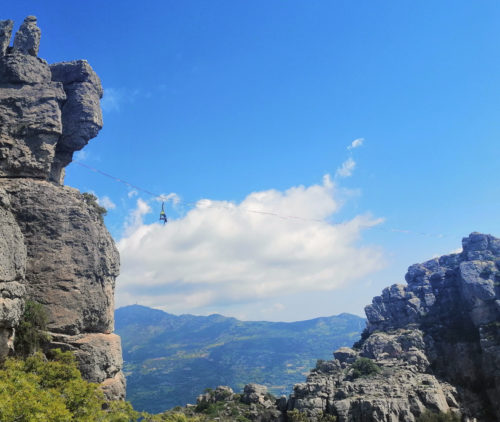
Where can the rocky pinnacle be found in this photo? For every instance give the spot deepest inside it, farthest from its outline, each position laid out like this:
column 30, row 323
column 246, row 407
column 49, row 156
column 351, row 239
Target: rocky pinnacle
column 27, row 39
column 60, row 109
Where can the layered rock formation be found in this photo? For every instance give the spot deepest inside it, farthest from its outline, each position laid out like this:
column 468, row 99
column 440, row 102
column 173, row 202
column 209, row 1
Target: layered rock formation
column 436, row 342
column 54, row 247
column 46, row 112
column 254, row 404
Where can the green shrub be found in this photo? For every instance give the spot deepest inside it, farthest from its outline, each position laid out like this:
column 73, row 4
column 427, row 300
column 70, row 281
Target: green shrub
column 296, row 416
column 364, row 335
column 364, row 367
column 31, row 331
column 37, row 389
column 202, row 406
column 92, row 200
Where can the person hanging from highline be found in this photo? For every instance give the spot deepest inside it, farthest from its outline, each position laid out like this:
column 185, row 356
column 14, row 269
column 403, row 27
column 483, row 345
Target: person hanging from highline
column 163, row 216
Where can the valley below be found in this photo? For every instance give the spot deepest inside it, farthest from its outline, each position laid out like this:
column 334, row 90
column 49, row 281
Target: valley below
column 169, row 360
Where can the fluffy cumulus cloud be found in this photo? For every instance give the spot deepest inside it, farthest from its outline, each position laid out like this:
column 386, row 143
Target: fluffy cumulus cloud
column 273, row 243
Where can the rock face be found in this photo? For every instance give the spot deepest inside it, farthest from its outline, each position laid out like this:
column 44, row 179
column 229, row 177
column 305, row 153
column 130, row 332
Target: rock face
column 255, row 404
column 54, row 247
column 27, row 39
column 46, row 112
column 436, row 342
column 432, row 345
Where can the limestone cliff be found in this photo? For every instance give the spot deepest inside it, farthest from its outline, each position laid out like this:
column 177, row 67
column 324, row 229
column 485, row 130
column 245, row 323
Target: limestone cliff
column 54, row 247
column 436, row 341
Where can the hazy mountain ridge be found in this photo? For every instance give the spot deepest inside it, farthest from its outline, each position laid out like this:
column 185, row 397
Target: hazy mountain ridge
column 170, row 360
column 430, row 352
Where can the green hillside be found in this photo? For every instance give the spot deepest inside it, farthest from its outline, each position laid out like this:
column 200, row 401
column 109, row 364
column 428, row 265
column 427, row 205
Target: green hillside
column 170, row 360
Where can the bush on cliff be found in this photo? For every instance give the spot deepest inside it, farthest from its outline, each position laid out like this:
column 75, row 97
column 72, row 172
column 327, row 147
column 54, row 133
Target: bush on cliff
column 53, row 390
column 296, row 416
column 92, row 200
column 364, row 367
column 31, row 331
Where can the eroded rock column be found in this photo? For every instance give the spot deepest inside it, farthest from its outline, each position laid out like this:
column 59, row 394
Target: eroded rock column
column 54, row 247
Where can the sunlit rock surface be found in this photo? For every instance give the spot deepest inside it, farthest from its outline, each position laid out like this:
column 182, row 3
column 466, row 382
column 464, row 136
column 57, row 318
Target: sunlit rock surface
column 46, row 112
column 54, row 247
column 436, row 341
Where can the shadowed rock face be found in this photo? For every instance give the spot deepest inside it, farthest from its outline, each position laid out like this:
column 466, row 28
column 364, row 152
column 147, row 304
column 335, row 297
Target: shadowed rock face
column 46, row 112
column 5, row 34
column 436, row 341
column 54, row 247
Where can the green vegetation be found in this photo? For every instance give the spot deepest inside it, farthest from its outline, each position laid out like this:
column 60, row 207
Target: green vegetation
column 169, row 417
column 430, row 416
column 53, row 390
column 364, row 335
column 364, row 367
column 296, row 416
column 216, row 406
column 31, row 331
column 39, row 389
column 170, row 360
column 92, row 200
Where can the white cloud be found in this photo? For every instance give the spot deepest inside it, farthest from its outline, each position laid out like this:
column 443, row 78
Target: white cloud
column 81, row 155
column 173, row 197
column 347, row 168
column 106, row 202
column 356, row 143
column 135, row 220
column 112, row 99
column 221, row 253
column 132, row 193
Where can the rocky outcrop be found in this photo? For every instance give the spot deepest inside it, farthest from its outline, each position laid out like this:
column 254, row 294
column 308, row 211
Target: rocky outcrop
column 81, row 113
column 54, row 247
column 27, row 39
column 46, row 112
column 434, row 344
column 254, row 404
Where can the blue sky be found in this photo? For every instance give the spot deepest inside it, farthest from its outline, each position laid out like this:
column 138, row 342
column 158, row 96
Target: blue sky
column 243, row 103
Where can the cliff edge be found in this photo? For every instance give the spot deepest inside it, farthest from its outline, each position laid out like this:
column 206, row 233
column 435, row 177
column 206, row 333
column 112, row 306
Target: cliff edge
column 432, row 344
column 54, row 247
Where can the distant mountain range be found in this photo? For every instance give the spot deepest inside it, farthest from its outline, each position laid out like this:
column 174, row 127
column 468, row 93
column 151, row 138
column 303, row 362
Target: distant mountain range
column 170, row 360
